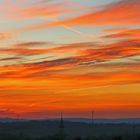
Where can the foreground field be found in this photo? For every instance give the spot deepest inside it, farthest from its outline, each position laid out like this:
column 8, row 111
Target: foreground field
column 47, row 130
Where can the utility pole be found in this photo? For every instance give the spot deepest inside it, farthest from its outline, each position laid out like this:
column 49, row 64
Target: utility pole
column 61, row 121
column 92, row 118
column 61, row 127
column 92, row 124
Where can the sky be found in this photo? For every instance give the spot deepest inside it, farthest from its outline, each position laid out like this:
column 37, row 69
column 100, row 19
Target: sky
column 70, row 56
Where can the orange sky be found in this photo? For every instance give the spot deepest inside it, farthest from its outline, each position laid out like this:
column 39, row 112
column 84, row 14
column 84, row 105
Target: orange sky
column 74, row 60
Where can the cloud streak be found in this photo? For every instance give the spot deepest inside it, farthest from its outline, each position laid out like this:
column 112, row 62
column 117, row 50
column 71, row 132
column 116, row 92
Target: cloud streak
column 126, row 13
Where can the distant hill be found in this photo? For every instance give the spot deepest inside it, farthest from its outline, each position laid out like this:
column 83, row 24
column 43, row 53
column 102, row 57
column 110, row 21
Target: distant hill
column 103, row 121
column 11, row 120
column 82, row 120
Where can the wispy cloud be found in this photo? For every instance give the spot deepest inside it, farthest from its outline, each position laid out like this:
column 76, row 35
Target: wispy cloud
column 124, row 33
column 5, row 35
column 126, row 13
column 24, row 10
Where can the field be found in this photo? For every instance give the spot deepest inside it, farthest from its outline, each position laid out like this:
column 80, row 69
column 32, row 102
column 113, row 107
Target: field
column 44, row 130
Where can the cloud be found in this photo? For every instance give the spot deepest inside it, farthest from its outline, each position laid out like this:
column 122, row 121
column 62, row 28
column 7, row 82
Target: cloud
column 125, row 12
column 66, row 69
column 60, row 82
column 37, row 48
column 113, row 51
column 4, row 113
column 66, row 56
column 5, row 35
column 27, row 48
column 67, row 64
column 31, row 44
column 81, row 51
column 124, row 33
column 10, row 58
column 24, row 11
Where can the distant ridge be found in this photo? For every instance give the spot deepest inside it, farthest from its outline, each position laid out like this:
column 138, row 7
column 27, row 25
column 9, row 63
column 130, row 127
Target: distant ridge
column 11, row 120
column 103, row 121
column 80, row 120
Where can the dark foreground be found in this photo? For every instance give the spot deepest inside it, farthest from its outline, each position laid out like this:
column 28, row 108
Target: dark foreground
column 50, row 130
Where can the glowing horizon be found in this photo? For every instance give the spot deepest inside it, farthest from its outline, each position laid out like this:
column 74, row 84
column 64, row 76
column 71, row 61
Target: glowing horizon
column 70, row 56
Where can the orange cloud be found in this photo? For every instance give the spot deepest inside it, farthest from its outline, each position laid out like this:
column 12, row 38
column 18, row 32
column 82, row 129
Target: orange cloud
column 74, row 55
column 47, row 103
column 22, row 11
column 41, row 89
column 36, row 48
column 124, row 33
column 43, row 76
column 113, row 51
column 125, row 12
column 5, row 35
column 82, row 52
column 43, row 10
